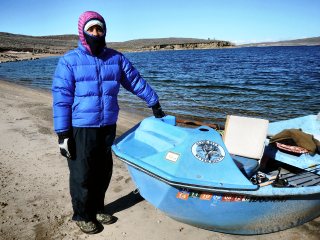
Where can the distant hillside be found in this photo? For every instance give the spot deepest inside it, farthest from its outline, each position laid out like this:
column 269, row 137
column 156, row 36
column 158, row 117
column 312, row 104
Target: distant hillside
column 15, row 47
column 169, row 44
column 297, row 42
column 61, row 43
column 46, row 44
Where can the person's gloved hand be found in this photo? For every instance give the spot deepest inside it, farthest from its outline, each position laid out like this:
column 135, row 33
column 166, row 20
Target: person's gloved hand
column 66, row 145
column 157, row 111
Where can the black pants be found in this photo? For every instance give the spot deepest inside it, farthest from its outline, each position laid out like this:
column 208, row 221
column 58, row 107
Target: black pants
column 91, row 170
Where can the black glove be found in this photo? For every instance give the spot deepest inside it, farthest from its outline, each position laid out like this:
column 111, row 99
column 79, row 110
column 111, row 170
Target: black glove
column 157, row 111
column 66, row 144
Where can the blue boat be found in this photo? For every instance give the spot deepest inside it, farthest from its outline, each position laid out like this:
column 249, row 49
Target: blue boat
column 190, row 175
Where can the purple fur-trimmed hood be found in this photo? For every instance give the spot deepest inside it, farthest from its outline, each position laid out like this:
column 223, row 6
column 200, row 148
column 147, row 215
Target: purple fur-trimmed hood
column 83, row 19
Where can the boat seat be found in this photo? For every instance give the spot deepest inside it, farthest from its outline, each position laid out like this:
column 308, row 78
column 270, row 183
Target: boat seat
column 247, row 166
column 244, row 138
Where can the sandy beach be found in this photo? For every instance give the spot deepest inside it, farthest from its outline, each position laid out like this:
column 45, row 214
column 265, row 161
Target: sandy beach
column 34, row 192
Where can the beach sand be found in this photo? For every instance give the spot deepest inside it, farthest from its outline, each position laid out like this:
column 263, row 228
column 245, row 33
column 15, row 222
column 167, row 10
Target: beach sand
column 34, row 192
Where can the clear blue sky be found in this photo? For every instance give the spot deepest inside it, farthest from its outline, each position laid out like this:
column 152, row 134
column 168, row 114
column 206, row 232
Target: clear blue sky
column 238, row 21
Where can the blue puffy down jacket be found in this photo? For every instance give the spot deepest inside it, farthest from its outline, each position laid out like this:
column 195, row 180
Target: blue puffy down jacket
column 85, row 88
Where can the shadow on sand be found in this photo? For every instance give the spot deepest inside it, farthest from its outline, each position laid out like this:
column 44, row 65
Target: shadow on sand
column 124, row 202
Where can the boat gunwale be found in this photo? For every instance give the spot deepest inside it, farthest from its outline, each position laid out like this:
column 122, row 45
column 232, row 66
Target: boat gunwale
column 266, row 191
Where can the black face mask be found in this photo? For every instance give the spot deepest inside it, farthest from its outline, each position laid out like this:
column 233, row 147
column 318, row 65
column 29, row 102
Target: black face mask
column 96, row 44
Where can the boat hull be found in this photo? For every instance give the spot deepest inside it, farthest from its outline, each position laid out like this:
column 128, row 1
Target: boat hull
column 190, row 176
column 228, row 213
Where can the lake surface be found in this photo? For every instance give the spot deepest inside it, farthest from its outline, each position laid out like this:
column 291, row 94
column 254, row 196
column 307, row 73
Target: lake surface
column 268, row 82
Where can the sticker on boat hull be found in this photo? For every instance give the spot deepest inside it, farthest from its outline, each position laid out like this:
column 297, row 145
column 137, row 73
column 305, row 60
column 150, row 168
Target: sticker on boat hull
column 215, row 199
column 207, row 151
column 206, row 196
column 183, row 195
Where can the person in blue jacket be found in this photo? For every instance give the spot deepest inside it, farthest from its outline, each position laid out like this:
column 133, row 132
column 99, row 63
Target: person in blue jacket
column 85, row 111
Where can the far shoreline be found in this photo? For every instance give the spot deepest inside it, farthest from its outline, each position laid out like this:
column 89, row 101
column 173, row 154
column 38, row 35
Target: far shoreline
column 17, row 56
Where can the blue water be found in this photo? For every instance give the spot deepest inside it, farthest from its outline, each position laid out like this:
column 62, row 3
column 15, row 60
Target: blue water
column 268, row 82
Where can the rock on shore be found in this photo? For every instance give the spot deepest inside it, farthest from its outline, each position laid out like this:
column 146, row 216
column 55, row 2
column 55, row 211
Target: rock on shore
column 13, row 56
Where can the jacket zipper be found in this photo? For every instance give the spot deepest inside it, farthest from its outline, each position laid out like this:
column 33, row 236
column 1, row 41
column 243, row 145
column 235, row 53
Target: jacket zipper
column 100, row 92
